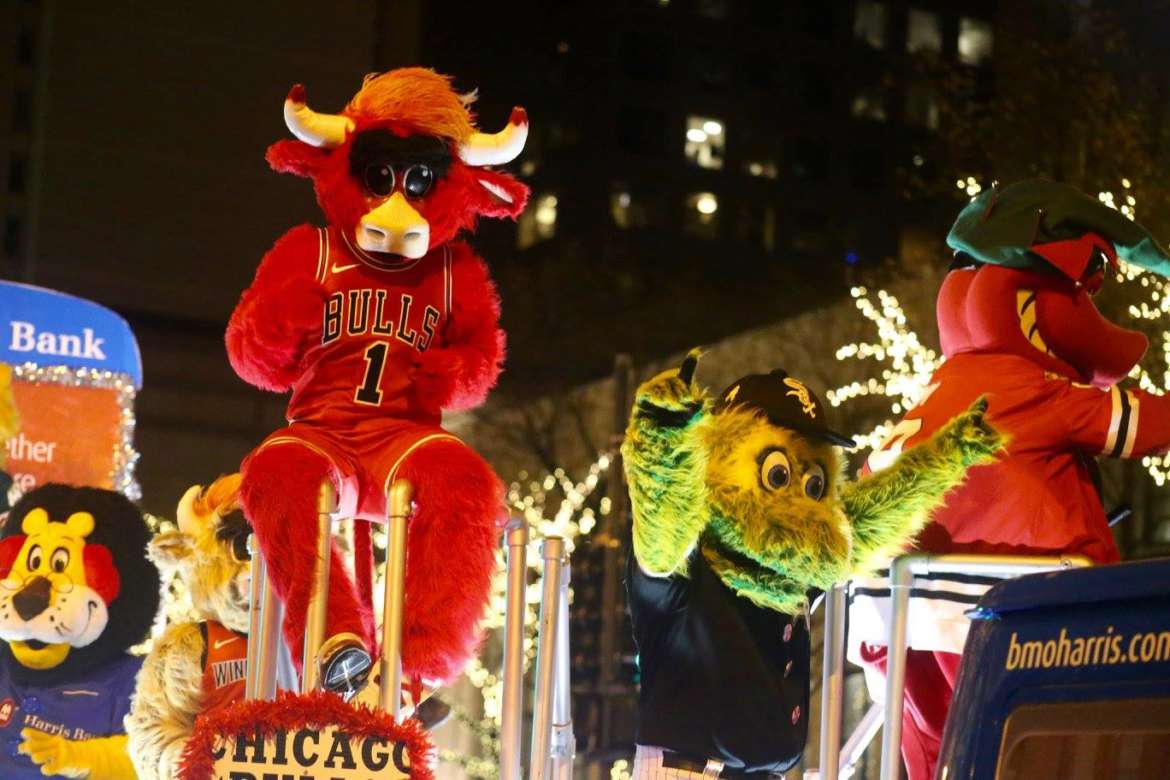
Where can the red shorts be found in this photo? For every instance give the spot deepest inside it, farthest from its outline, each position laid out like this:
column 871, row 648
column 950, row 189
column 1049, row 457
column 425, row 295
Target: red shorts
column 364, row 459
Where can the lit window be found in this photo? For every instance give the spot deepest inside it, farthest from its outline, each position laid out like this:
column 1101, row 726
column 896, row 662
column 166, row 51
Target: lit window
column 702, row 215
column 923, row 32
column 619, row 208
column 921, row 106
column 631, row 210
column 870, row 103
column 538, row 222
column 975, row 39
column 706, row 139
column 763, row 168
column 869, row 23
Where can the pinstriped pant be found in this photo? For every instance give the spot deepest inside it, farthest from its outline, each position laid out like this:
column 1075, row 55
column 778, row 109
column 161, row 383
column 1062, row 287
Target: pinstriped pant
column 648, row 766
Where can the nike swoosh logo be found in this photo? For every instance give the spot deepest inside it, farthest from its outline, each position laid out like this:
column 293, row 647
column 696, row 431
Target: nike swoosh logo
column 339, row 268
column 222, row 642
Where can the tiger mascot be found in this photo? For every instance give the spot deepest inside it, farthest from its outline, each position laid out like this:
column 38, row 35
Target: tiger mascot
column 194, row 667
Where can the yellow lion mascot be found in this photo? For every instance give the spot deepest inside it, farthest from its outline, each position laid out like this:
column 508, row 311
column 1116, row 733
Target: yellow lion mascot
column 76, row 592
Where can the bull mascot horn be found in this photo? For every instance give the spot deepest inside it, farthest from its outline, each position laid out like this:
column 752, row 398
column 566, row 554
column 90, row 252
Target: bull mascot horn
column 328, row 131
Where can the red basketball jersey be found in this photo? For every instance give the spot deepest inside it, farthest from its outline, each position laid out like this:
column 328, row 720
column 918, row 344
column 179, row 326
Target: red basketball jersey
column 378, row 316
column 225, row 665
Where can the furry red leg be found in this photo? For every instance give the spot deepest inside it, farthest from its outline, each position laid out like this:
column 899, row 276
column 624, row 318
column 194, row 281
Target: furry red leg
column 451, row 557
column 279, row 495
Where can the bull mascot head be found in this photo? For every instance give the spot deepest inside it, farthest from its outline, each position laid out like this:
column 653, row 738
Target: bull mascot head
column 402, row 168
column 1029, row 258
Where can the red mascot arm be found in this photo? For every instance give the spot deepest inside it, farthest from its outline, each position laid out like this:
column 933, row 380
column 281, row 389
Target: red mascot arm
column 280, row 314
column 458, row 374
column 1116, row 422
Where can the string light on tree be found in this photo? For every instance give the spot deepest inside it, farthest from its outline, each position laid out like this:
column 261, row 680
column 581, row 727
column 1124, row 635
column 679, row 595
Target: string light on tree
column 552, row 505
column 905, row 363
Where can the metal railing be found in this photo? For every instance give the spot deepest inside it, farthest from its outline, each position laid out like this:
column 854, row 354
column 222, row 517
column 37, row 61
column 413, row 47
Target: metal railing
column 837, row 763
column 269, row 665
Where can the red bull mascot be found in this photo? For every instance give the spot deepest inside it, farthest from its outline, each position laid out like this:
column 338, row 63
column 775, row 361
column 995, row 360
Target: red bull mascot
column 378, row 323
column 1018, row 326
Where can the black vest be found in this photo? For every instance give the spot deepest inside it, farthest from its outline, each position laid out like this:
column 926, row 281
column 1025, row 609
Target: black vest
column 721, row 677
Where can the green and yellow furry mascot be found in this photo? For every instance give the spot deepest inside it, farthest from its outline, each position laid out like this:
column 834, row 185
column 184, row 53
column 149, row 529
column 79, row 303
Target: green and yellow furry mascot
column 741, row 512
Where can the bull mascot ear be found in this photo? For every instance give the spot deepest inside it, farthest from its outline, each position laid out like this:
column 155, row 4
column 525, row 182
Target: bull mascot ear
column 296, row 157
column 496, row 194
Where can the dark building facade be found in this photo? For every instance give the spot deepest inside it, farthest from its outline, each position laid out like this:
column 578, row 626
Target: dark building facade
column 698, row 166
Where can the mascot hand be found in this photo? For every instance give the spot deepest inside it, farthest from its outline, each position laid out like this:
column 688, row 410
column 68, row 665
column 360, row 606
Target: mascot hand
column 299, row 321
column 102, row 758
column 673, row 393
column 974, row 437
column 433, row 379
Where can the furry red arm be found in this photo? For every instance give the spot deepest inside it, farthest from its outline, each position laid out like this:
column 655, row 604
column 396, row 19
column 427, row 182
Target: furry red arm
column 279, row 315
column 459, row 374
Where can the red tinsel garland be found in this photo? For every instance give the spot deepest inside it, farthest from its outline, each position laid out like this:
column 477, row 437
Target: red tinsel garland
column 294, row 711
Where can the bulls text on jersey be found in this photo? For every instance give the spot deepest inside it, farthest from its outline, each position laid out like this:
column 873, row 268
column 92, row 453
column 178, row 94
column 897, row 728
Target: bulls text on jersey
column 369, row 311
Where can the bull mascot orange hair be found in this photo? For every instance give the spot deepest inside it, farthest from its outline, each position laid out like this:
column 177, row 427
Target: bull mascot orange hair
column 378, row 322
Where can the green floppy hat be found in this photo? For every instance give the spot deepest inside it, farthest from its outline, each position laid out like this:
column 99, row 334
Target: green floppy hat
column 1001, row 223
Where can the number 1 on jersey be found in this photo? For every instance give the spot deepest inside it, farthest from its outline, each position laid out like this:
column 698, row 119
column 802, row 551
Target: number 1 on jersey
column 370, row 391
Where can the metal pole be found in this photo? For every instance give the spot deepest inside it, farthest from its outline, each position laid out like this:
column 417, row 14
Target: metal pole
column 398, row 503
column 264, row 638
column 832, row 682
column 271, row 642
column 859, row 740
column 512, row 698
column 318, row 611
column 901, row 576
column 552, row 550
column 564, row 744
column 255, row 621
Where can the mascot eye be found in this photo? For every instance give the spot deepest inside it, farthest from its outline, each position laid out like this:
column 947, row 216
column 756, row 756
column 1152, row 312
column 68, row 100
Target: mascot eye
column 59, row 559
column 418, row 181
column 35, row 557
column 240, row 548
column 774, row 471
column 379, row 179
column 814, row 482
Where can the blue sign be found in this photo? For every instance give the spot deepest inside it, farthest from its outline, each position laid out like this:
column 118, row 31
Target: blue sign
column 1086, row 636
column 54, row 329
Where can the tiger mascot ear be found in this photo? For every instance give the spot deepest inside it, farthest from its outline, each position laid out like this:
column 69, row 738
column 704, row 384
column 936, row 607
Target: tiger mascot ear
column 169, row 550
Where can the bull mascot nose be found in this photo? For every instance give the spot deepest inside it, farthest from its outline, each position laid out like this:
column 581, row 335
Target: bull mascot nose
column 33, row 599
column 395, row 227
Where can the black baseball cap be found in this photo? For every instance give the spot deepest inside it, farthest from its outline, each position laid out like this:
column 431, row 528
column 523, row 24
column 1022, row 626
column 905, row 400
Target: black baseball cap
column 786, row 402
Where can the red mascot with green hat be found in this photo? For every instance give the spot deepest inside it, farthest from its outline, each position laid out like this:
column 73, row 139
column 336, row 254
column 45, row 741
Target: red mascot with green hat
column 1018, row 326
